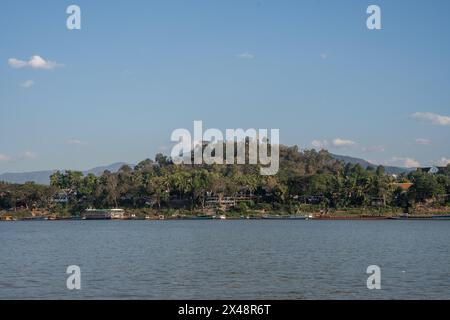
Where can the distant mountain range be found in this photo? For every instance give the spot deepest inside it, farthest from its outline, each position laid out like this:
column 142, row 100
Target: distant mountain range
column 43, row 177
column 364, row 163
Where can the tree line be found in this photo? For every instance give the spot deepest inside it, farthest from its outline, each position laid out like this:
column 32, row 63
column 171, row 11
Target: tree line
column 306, row 178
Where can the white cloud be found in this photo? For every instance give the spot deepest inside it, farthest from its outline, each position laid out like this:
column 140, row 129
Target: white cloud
column 433, row 118
column 410, row 163
column 319, row 144
column 27, row 84
column 343, row 143
column 336, row 143
column 29, row 155
column 35, row 62
column 26, row 155
column 75, row 141
column 403, row 162
column 323, row 56
column 4, row 157
column 423, row 142
column 15, row 63
column 443, row 162
column 245, row 55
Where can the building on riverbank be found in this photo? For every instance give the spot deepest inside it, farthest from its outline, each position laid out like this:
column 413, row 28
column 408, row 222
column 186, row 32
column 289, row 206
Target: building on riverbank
column 103, row 214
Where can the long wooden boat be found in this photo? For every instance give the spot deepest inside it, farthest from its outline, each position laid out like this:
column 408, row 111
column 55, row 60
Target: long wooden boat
column 350, row 218
column 284, row 217
column 434, row 217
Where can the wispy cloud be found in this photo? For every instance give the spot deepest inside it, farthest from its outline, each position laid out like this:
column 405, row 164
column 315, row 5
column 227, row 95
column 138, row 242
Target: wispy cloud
column 319, row 144
column 4, row 157
column 342, row 143
column 443, row 162
column 29, row 155
column 245, row 55
column 405, row 162
column 27, row 84
column 335, row 143
column 35, row 62
column 432, row 118
column 423, row 142
column 323, row 56
column 339, row 143
column 76, row 142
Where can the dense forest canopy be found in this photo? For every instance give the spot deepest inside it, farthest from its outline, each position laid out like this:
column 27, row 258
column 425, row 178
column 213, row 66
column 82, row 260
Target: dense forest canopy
column 306, row 177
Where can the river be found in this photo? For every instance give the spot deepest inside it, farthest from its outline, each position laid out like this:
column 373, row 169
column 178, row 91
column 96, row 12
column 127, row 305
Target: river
column 241, row 259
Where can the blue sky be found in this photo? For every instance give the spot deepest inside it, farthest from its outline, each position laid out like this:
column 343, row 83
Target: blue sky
column 137, row 70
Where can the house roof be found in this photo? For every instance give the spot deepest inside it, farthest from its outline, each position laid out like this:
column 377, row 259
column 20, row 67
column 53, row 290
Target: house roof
column 403, row 185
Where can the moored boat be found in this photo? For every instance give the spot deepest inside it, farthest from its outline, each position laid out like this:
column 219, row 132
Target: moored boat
column 283, row 217
column 297, row 217
column 442, row 217
column 103, row 214
column 412, row 217
column 329, row 217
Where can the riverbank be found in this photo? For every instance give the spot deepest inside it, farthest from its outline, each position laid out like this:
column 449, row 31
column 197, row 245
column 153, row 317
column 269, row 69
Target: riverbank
column 336, row 215
column 304, row 212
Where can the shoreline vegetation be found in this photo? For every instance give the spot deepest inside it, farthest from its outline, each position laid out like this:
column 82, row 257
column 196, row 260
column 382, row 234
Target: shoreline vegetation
column 136, row 214
column 341, row 215
column 308, row 184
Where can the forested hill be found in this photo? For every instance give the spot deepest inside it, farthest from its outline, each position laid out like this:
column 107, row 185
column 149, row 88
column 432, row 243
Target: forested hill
column 305, row 178
column 43, row 177
column 365, row 164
